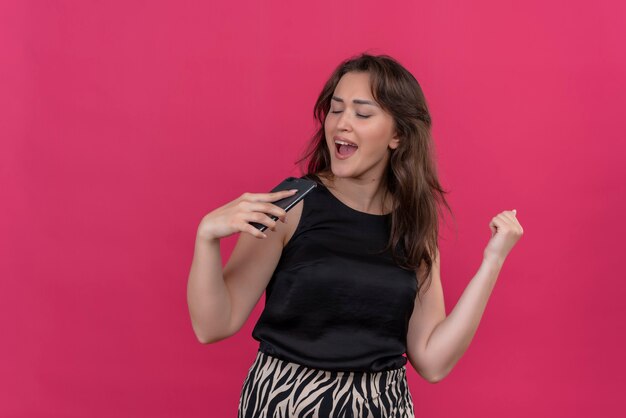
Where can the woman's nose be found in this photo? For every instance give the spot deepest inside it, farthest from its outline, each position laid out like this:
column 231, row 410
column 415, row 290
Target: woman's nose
column 343, row 122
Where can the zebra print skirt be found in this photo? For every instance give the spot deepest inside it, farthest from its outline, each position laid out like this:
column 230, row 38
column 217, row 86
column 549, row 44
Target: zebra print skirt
column 275, row 388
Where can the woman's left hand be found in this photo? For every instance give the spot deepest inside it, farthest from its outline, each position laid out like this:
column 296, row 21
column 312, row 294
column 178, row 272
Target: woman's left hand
column 505, row 232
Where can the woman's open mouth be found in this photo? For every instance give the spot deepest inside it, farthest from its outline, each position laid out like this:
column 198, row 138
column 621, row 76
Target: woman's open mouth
column 344, row 149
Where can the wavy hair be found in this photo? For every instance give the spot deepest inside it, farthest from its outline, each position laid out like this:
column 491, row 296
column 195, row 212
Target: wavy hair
column 411, row 175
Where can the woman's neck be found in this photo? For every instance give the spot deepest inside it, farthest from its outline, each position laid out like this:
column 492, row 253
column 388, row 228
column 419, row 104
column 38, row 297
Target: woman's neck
column 362, row 195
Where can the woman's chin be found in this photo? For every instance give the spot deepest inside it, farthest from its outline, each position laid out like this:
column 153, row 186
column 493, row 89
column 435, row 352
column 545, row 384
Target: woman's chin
column 339, row 172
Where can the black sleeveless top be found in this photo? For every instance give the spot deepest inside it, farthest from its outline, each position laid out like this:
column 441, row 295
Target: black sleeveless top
column 334, row 301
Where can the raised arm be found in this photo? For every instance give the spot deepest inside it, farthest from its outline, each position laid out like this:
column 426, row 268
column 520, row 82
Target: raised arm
column 435, row 343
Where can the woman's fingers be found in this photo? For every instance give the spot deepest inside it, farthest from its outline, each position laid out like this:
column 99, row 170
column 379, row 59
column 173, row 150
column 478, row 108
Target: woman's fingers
column 252, row 231
column 262, row 207
column 511, row 218
column 506, row 220
column 282, row 194
column 269, row 209
column 249, row 207
column 260, row 218
column 259, row 202
column 268, row 197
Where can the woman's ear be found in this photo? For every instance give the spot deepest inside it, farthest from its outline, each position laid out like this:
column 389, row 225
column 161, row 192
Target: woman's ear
column 395, row 142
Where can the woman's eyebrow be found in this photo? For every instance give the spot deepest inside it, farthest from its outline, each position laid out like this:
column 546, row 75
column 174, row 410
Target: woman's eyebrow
column 357, row 101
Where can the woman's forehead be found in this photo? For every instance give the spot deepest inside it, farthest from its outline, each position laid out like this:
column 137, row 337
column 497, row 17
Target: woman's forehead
column 354, row 87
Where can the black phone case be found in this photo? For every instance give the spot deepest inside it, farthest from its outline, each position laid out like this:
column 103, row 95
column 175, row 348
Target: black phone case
column 304, row 186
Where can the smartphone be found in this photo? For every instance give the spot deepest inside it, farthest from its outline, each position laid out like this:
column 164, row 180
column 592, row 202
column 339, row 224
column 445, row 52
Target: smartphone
column 304, row 186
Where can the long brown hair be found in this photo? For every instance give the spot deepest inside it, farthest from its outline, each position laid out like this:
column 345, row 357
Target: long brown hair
column 411, row 175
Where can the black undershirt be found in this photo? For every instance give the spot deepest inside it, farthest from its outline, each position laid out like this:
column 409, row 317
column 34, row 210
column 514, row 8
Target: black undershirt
column 334, row 301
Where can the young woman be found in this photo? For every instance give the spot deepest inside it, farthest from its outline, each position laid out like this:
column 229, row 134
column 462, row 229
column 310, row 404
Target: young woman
column 352, row 273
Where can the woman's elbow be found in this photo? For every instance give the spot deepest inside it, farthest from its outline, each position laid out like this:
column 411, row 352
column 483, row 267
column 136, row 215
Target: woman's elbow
column 431, row 376
column 205, row 338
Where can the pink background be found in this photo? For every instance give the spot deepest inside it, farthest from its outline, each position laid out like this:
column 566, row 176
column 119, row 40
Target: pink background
column 123, row 122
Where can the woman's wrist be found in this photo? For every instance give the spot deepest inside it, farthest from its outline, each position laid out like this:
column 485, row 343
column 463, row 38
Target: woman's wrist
column 493, row 261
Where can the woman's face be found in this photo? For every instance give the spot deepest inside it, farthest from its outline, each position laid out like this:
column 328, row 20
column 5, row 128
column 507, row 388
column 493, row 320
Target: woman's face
column 359, row 135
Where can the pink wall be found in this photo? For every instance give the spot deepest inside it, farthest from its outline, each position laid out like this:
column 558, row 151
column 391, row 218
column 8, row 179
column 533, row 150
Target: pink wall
column 123, row 122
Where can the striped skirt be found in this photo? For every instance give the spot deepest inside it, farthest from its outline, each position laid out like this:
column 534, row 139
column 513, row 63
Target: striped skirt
column 275, row 388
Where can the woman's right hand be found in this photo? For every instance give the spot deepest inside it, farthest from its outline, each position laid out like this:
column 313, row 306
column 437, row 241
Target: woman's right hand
column 235, row 216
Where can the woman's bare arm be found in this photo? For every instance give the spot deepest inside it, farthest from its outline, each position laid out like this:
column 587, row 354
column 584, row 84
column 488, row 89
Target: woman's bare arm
column 436, row 342
column 214, row 296
column 208, row 298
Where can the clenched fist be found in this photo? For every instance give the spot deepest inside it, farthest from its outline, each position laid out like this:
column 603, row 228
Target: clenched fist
column 505, row 232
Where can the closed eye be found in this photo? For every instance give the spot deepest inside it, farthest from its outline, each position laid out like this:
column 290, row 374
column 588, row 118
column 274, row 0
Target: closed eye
column 362, row 116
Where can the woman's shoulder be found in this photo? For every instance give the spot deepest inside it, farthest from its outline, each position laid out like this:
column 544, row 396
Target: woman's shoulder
column 318, row 178
column 293, row 220
column 312, row 200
